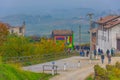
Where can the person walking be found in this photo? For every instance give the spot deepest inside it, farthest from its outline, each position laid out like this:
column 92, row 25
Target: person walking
column 95, row 53
column 102, row 58
column 83, row 53
column 109, row 59
column 112, row 52
column 80, row 52
column 99, row 51
column 108, row 52
column 87, row 53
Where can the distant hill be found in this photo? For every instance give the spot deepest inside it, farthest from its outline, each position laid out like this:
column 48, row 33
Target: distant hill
column 43, row 23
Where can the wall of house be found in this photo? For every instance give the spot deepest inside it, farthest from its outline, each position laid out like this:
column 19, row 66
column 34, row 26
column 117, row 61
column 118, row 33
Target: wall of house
column 17, row 31
column 114, row 32
column 108, row 39
column 67, row 40
column 104, row 42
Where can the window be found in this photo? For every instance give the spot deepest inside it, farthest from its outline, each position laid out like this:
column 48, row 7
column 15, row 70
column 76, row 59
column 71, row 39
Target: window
column 12, row 31
column 20, row 30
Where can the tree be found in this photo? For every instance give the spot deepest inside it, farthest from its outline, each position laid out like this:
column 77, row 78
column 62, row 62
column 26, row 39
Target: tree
column 3, row 33
column 17, row 46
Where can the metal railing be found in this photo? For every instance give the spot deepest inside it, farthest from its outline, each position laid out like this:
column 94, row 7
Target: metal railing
column 53, row 69
column 33, row 59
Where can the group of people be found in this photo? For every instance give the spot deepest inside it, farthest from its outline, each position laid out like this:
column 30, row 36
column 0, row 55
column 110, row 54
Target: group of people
column 109, row 53
column 100, row 52
column 84, row 52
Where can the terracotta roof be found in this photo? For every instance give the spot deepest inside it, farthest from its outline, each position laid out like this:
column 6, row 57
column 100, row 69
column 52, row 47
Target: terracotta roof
column 112, row 23
column 109, row 21
column 62, row 32
column 103, row 20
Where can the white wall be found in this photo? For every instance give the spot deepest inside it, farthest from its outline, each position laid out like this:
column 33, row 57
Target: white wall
column 108, row 39
column 16, row 31
column 115, row 30
column 104, row 42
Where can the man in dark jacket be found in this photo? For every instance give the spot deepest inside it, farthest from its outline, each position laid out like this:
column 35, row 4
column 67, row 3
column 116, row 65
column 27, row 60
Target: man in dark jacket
column 102, row 58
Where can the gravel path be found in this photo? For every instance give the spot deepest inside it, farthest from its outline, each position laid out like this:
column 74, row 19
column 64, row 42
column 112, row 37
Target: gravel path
column 73, row 71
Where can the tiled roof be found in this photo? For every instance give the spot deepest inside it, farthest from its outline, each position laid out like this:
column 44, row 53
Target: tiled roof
column 103, row 20
column 62, row 32
column 109, row 21
column 112, row 23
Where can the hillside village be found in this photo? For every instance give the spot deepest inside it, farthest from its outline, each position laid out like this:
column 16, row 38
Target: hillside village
column 29, row 50
column 105, row 35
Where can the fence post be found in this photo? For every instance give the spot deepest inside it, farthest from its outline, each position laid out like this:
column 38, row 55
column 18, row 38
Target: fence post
column 53, row 72
column 65, row 66
column 79, row 64
column 43, row 68
column 56, row 69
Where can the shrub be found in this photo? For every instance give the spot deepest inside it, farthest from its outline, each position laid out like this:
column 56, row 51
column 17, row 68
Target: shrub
column 100, row 73
column 112, row 72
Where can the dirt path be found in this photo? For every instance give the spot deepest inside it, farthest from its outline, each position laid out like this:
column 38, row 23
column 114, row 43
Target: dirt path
column 82, row 73
column 73, row 72
column 79, row 74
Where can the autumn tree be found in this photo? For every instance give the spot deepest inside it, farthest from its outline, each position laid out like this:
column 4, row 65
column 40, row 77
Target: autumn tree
column 17, row 46
column 3, row 33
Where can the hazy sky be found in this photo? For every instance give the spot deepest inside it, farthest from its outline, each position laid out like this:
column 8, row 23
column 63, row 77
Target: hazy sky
column 8, row 7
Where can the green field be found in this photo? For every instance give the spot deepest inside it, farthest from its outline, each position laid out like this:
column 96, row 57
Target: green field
column 9, row 72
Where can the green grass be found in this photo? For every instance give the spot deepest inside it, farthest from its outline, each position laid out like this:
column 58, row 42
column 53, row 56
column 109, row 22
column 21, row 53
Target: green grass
column 36, row 59
column 8, row 72
column 90, row 77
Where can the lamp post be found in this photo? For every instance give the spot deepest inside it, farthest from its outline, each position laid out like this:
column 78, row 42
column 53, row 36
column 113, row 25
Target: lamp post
column 90, row 17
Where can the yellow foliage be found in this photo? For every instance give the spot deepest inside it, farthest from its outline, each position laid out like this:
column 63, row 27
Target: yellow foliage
column 3, row 33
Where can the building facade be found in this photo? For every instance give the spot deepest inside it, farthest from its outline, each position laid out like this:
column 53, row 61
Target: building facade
column 64, row 36
column 17, row 30
column 20, row 31
column 108, row 33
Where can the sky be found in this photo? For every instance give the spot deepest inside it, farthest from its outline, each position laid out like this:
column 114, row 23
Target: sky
column 9, row 7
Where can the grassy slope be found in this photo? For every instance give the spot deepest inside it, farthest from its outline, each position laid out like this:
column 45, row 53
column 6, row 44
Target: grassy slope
column 8, row 72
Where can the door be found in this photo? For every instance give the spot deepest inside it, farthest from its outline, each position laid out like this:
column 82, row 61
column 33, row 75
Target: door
column 118, row 44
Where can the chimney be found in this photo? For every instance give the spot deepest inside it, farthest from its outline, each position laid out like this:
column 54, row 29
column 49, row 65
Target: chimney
column 101, row 19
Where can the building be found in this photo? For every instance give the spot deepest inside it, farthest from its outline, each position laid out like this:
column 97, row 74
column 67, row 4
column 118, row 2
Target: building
column 94, row 38
column 64, row 36
column 18, row 30
column 108, row 33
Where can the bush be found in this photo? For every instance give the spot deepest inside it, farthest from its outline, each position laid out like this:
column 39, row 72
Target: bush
column 112, row 72
column 100, row 73
column 16, row 48
column 90, row 77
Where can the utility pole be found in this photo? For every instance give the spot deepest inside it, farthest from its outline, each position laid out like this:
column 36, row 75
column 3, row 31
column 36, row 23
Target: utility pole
column 90, row 17
column 80, row 36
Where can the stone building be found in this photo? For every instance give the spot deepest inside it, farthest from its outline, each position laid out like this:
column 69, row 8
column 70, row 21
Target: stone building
column 18, row 30
column 65, row 36
column 108, row 33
